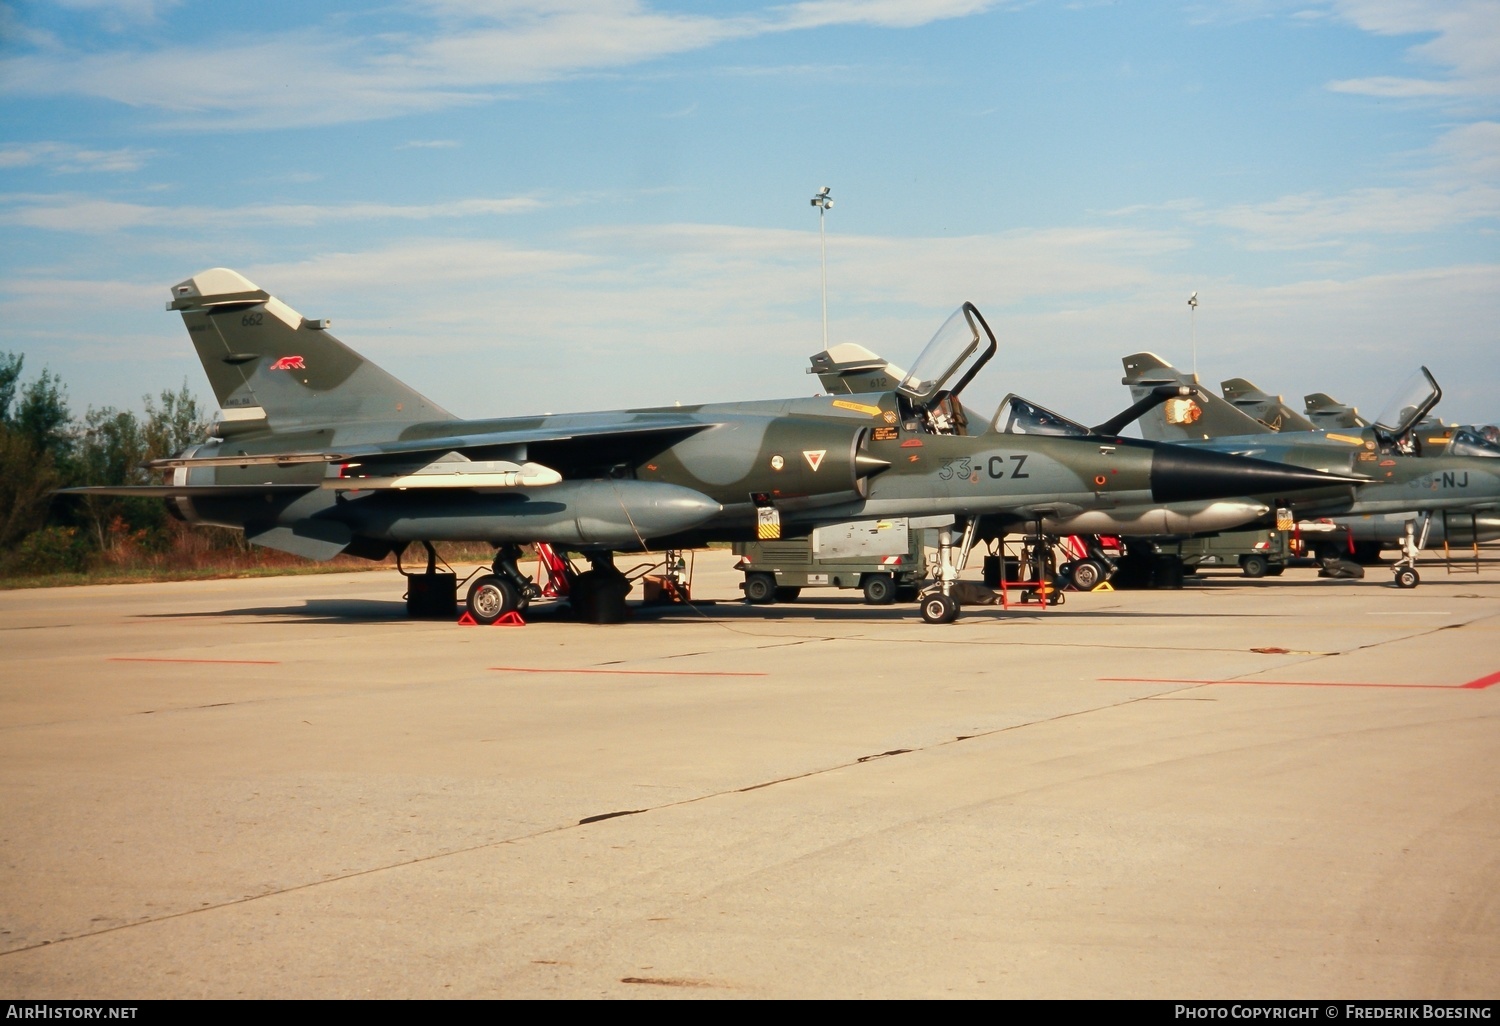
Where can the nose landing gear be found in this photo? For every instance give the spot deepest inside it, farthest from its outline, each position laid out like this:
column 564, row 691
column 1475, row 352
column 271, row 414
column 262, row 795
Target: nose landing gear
column 1411, row 543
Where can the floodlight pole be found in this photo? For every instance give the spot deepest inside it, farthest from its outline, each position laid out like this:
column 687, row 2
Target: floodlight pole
column 1193, row 317
column 824, row 204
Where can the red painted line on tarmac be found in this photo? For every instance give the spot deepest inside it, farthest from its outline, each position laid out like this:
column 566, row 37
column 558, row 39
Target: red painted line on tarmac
column 1478, row 684
column 216, row 662
column 628, row 673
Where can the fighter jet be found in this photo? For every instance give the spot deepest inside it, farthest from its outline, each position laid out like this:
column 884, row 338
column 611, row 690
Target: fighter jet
column 1449, row 481
column 320, row 452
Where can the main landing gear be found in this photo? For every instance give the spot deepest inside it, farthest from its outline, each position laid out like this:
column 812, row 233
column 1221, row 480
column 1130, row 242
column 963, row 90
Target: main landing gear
column 504, row 590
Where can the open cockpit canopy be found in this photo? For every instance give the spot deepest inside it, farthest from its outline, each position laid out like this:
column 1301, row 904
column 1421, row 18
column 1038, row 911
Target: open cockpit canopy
column 1416, row 397
column 959, row 339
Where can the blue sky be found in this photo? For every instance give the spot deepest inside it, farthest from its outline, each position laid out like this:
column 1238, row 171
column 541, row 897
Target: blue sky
column 521, row 206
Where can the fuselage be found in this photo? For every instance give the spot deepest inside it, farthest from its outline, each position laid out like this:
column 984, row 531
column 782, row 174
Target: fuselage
column 714, row 472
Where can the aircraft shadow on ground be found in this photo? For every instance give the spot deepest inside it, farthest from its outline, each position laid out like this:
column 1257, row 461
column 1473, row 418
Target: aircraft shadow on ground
column 394, row 611
column 308, row 611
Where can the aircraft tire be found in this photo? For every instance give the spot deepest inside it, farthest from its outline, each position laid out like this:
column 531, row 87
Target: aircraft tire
column 1087, row 574
column 1407, row 577
column 939, row 608
column 879, row 589
column 760, row 589
column 490, row 598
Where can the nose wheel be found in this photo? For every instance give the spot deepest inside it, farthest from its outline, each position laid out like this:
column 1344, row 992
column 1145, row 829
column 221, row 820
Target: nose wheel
column 939, row 608
column 1412, row 543
column 939, row 605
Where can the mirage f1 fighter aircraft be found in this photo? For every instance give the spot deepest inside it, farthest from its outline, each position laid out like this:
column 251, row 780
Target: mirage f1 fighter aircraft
column 320, row 452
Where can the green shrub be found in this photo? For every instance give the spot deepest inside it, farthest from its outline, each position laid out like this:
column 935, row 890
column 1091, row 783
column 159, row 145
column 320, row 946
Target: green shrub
column 51, row 550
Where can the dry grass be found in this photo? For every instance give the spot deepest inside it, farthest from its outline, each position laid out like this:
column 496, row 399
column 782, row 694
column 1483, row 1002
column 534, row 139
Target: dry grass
column 187, row 554
column 181, row 553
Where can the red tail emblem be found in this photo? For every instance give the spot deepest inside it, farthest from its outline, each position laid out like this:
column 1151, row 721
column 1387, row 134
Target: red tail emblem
column 289, row 363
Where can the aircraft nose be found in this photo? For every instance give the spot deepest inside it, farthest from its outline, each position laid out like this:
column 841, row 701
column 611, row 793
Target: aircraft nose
column 1182, row 474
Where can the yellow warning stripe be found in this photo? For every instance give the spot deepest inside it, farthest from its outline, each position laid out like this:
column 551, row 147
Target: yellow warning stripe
column 1351, row 439
column 845, row 404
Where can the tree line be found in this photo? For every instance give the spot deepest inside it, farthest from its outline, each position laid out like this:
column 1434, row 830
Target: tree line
column 44, row 447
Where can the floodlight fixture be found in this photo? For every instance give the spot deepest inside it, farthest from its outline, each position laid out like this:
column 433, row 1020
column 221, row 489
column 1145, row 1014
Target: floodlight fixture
column 1193, row 316
column 824, row 204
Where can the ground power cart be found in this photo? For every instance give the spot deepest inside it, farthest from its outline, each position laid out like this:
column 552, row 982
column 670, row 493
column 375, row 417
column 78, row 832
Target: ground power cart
column 883, row 558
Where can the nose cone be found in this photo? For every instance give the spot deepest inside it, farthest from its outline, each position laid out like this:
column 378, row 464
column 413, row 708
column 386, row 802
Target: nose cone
column 1183, row 474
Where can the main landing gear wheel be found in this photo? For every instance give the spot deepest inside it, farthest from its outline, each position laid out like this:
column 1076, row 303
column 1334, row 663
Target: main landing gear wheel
column 490, row 598
column 760, row 589
column 939, row 608
column 1407, row 577
column 1087, row 574
column 880, row 589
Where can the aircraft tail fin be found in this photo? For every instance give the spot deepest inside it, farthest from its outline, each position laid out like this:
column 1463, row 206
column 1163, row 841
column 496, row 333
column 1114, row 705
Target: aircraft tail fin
column 273, row 370
column 851, row 369
column 1203, row 415
column 1270, row 410
column 1327, row 412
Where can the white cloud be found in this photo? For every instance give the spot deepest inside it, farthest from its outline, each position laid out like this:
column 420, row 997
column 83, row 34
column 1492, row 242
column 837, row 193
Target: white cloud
column 464, row 53
column 1393, row 88
column 884, row 13
column 1465, row 43
column 695, row 313
column 1461, row 186
column 69, row 158
column 648, row 315
column 654, row 314
column 117, row 14
column 73, row 213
